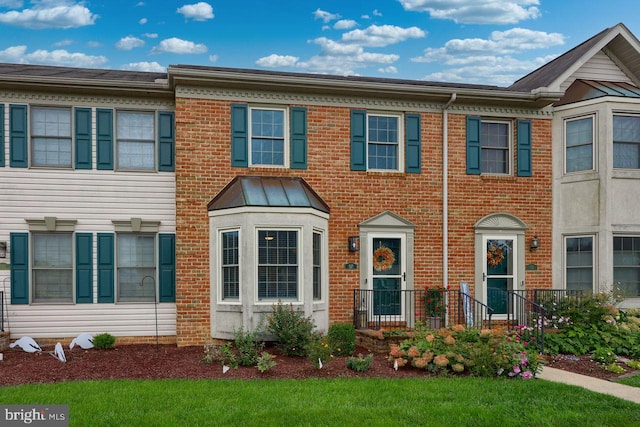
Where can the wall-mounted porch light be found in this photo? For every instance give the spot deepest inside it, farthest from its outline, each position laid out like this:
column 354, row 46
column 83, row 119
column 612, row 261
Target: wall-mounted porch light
column 354, row 243
column 3, row 249
column 534, row 243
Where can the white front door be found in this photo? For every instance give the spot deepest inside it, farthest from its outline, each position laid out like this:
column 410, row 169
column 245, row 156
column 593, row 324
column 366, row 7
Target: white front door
column 499, row 271
column 387, row 274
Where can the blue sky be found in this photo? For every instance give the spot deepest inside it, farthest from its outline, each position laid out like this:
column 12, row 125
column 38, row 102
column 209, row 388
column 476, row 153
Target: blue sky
column 469, row 41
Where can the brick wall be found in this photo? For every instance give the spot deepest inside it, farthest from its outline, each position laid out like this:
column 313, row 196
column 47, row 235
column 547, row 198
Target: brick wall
column 203, row 168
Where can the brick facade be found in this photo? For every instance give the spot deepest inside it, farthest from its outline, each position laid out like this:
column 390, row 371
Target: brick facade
column 203, row 168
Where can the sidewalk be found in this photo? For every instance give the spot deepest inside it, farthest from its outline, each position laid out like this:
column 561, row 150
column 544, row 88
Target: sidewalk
column 594, row 384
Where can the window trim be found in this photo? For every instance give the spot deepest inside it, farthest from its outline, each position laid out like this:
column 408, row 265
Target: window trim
column 116, row 140
column 510, row 149
column 116, row 267
column 299, row 260
column 31, row 136
column 594, row 122
column 219, row 261
column 593, row 257
column 400, row 167
column 613, row 264
column 33, row 269
column 320, row 233
column 286, row 161
column 613, row 141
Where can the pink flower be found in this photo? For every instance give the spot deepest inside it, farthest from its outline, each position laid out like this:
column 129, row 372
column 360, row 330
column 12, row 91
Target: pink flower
column 526, row 375
column 516, row 369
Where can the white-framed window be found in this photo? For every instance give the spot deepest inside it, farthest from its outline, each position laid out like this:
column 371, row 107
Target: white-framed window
column 52, row 267
column 136, row 140
column 579, row 136
column 579, row 262
column 317, row 265
column 626, row 141
column 626, row 264
column 278, row 264
column 51, row 137
column 268, row 141
column 230, row 264
column 495, row 147
column 384, row 142
column 136, row 267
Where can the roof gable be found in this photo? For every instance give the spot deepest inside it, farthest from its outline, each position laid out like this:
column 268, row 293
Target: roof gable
column 617, row 42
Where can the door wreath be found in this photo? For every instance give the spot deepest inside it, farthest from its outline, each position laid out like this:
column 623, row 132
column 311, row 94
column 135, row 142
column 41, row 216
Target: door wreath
column 383, row 259
column 495, row 256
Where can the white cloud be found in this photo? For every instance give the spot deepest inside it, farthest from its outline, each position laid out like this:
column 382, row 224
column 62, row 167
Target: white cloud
column 93, row 43
column 380, row 36
column 144, row 66
column 176, row 45
column 345, row 24
column 274, row 60
column 376, row 13
column 198, row 12
column 143, row 21
column 388, row 70
column 331, row 47
column 18, row 54
column 11, row 4
column 476, row 12
column 150, row 35
column 129, row 43
column 326, row 17
column 507, row 42
column 65, row 42
column 213, row 58
column 50, row 15
column 346, row 65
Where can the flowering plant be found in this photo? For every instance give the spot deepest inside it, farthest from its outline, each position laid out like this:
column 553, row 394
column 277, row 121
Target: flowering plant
column 434, row 303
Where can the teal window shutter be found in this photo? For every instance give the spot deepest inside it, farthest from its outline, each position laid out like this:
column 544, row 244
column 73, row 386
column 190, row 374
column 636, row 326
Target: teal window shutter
column 358, row 140
column 298, row 138
column 18, row 152
column 104, row 139
column 166, row 141
column 167, row 267
column 413, row 162
column 106, row 267
column 83, row 138
column 524, row 148
column 473, row 145
column 1, row 135
column 84, row 267
column 19, row 268
column 239, row 135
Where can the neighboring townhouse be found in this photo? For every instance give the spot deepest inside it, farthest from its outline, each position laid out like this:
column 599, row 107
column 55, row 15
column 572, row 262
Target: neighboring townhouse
column 184, row 205
column 596, row 163
column 87, row 223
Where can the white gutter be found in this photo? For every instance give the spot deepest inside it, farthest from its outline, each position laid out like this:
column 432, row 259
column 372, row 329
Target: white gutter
column 445, row 190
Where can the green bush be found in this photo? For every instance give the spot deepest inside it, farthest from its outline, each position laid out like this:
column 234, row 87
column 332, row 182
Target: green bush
column 604, row 355
column 342, row 339
column 360, row 364
column 318, row 350
column 265, row 362
column 292, row 329
column 222, row 353
column 247, row 347
column 104, row 341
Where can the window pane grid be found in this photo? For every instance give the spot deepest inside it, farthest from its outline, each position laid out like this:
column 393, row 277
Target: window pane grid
column 626, row 142
column 230, row 265
column 277, row 264
column 626, row 265
column 267, row 137
column 51, row 137
column 579, row 263
column 579, row 144
column 136, row 140
column 52, row 268
column 317, row 266
column 136, row 260
column 382, row 142
column 494, row 147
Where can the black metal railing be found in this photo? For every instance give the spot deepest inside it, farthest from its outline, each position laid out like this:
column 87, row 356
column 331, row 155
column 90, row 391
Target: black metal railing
column 407, row 309
column 526, row 316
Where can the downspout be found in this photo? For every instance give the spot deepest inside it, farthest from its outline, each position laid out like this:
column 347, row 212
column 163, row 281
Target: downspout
column 445, row 190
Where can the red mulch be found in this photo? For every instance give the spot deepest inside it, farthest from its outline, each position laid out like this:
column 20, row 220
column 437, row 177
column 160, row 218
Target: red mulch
column 168, row 361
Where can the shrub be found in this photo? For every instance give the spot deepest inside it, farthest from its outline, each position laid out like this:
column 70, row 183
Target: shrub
column 292, row 329
column 104, row 341
column 247, row 347
column 222, row 353
column 360, row 364
column 604, row 355
column 318, row 350
column 265, row 361
column 342, row 339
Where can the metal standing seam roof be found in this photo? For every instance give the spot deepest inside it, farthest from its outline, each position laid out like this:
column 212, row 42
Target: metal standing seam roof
column 245, row 191
column 582, row 90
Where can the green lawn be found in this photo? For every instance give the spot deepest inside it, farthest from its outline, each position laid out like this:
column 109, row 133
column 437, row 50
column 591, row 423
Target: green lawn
column 633, row 381
column 334, row 402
